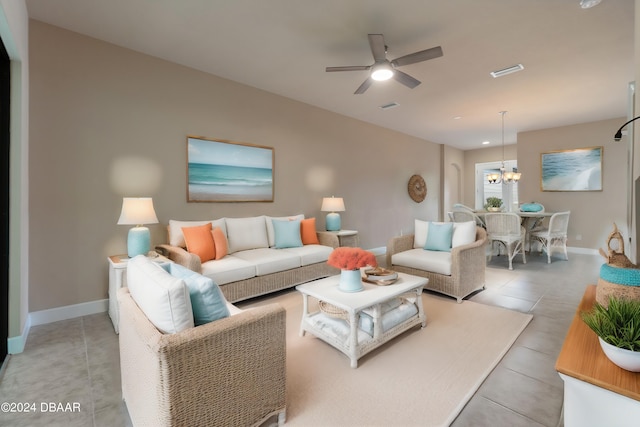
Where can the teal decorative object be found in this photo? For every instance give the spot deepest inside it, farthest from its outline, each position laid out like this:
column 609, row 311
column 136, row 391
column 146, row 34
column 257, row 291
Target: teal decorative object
column 619, row 275
column 531, row 207
column 334, row 222
column 350, row 281
column 138, row 241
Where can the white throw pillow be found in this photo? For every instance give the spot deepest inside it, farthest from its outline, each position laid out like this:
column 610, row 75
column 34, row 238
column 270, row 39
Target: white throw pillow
column 176, row 238
column 164, row 299
column 270, row 231
column 246, row 233
column 463, row 233
column 421, row 228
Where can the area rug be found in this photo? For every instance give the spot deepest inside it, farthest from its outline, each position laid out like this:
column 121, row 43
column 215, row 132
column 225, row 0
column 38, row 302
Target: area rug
column 423, row 377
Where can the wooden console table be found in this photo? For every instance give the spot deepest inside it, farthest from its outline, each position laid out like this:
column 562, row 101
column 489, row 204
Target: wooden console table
column 596, row 392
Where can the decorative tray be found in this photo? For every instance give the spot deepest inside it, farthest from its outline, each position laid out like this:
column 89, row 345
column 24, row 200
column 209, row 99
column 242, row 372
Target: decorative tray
column 380, row 276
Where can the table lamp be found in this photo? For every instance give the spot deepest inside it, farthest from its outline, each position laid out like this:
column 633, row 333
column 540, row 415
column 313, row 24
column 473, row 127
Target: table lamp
column 333, row 205
column 138, row 211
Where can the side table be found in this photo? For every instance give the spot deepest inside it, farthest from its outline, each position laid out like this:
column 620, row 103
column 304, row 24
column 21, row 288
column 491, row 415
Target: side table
column 596, row 392
column 117, row 280
column 347, row 237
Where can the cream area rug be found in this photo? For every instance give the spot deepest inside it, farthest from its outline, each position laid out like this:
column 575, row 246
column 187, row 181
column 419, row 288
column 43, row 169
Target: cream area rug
column 423, row 377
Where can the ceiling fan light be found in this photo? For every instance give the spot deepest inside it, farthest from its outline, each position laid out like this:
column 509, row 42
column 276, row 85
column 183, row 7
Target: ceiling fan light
column 381, row 72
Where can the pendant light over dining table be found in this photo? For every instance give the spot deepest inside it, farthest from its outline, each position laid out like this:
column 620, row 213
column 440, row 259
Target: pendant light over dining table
column 504, row 175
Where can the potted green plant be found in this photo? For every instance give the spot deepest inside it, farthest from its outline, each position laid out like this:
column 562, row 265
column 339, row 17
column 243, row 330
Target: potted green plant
column 618, row 329
column 494, row 204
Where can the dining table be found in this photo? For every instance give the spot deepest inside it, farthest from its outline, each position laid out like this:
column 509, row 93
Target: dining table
column 529, row 220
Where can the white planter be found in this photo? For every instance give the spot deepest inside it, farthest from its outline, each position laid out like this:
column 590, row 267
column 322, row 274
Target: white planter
column 626, row 359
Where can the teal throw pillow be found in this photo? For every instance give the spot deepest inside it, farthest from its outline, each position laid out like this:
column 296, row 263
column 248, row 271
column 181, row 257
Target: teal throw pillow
column 207, row 302
column 439, row 236
column 287, row 233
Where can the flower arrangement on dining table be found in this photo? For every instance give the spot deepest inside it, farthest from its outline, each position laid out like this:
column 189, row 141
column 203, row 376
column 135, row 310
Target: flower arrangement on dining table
column 348, row 258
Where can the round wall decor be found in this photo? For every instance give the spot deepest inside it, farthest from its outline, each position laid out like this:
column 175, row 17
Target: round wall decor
column 417, row 188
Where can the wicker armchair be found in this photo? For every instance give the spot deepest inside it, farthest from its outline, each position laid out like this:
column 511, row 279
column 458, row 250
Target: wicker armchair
column 468, row 264
column 230, row 372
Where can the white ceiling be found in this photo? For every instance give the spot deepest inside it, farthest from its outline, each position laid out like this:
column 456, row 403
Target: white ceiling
column 578, row 62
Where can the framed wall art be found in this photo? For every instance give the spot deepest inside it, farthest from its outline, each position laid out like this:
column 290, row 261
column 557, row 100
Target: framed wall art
column 579, row 169
column 226, row 171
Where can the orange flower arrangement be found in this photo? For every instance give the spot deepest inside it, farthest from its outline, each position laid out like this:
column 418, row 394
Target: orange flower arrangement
column 347, row 258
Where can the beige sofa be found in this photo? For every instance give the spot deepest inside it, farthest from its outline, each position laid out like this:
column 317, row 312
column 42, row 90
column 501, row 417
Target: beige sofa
column 457, row 273
column 230, row 371
column 254, row 265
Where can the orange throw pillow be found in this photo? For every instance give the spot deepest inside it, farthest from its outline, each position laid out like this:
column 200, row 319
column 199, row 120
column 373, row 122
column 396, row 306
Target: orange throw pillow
column 308, row 232
column 200, row 241
column 220, row 241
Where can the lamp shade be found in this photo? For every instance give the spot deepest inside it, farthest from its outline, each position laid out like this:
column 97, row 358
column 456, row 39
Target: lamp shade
column 137, row 211
column 332, row 204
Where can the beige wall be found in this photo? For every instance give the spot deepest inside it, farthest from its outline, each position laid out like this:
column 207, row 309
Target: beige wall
column 592, row 212
column 107, row 122
column 453, row 168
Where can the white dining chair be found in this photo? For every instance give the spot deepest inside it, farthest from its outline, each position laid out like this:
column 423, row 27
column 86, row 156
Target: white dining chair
column 505, row 228
column 462, row 213
column 553, row 236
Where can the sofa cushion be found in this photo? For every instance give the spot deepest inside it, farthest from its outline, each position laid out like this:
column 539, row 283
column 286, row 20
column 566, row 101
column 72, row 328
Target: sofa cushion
column 434, row 261
column 164, row 299
column 176, row 238
column 199, row 241
column 228, row 269
column 271, row 235
column 439, row 236
column 308, row 232
column 420, row 233
column 207, row 301
column 311, row 254
column 464, row 233
column 220, row 242
column 267, row 260
column 287, row 233
column 246, row 233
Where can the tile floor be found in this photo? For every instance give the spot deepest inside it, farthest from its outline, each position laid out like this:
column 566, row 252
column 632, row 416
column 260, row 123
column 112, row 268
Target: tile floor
column 76, row 360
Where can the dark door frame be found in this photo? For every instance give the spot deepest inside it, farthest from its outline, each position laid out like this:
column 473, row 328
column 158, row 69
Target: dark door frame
column 5, row 104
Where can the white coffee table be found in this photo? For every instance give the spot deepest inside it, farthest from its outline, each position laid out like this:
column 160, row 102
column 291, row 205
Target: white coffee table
column 376, row 304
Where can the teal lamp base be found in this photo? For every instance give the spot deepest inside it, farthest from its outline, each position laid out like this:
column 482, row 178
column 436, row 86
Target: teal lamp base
column 138, row 241
column 333, row 222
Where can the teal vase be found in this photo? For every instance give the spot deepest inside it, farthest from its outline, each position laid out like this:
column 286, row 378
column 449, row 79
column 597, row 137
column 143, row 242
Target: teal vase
column 350, row 281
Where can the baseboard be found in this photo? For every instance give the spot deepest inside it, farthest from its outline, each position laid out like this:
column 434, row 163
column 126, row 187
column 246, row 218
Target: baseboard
column 586, row 251
column 378, row 251
column 68, row 312
column 15, row 345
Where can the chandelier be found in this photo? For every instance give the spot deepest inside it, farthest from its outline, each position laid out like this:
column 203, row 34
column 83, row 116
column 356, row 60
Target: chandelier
column 504, row 175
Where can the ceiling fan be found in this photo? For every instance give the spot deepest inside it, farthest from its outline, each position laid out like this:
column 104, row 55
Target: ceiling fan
column 383, row 69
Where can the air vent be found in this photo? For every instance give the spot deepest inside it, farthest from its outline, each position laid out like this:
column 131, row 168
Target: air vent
column 389, row 105
column 505, row 71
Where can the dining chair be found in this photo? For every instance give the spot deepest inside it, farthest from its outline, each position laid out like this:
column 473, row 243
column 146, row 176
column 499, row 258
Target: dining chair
column 462, row 213
column 505, row 228
column 553, row 236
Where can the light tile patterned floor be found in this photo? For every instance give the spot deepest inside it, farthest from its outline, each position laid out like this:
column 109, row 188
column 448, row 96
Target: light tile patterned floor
column 77, row 360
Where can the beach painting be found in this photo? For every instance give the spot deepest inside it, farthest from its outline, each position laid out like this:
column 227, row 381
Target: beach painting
column 572, row 170
column 226, row 171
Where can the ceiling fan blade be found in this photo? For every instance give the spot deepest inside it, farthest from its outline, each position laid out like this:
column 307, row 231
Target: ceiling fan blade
column 423, row 55
column 349, row 68
column 405, row 79
column 378, row 49
column 364, row 86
